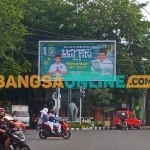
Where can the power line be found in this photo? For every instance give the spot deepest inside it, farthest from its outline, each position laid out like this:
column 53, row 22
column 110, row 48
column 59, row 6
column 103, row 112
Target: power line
column 143, row 8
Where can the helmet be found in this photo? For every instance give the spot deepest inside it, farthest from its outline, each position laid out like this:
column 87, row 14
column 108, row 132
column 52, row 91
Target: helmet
column 45, row 110
column 52, row 111
column 123, row 114
column 2, row 110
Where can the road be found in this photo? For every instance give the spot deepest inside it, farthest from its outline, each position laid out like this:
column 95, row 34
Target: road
column 93, row 140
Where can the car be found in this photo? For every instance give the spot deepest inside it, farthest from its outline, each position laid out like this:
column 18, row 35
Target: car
column 132, row 120
column 16, row 122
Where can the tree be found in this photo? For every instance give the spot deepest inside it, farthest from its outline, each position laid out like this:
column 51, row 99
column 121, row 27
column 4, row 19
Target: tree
column 101, row 97
column 12, row 32
column 98, row 19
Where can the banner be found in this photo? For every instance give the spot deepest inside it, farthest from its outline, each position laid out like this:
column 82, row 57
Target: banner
column 78, row 60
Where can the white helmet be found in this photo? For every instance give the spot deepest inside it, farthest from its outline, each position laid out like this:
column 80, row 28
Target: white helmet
column 123, row 114
column 45, row 110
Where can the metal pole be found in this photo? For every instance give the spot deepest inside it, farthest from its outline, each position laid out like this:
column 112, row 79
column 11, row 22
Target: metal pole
column 80, row 108
column 57, row 92
column 80, row 104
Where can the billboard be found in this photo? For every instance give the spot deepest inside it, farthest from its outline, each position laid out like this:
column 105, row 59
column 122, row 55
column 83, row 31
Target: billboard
column 77, row 60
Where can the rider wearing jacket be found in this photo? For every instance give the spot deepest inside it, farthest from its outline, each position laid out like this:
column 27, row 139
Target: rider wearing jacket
column 123, row 119
column 4, row 123
column 53, row 119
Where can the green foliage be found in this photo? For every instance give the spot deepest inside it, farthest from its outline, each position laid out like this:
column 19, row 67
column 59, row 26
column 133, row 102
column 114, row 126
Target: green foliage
column 101, row 97
column 23, row 23
column 74, row 125
column 12, row 33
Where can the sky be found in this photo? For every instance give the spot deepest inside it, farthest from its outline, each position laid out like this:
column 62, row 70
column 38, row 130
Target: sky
column 147, row 8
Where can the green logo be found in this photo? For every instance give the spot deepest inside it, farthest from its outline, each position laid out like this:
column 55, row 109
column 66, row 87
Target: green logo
column 51, row 51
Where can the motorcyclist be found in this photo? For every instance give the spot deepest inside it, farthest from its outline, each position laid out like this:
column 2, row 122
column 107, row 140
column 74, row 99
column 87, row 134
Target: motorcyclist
column 45, row 118
column 123, row 119
column 4, row 124
column 53, row 119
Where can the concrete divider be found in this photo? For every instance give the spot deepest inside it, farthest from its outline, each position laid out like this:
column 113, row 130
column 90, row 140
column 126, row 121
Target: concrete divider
column 106, row 128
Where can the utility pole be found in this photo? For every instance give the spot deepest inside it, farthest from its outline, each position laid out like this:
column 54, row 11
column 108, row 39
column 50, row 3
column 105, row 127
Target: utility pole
column 147, row 107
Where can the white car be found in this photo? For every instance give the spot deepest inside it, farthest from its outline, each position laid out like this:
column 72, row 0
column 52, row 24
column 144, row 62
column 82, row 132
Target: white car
column 22, row 116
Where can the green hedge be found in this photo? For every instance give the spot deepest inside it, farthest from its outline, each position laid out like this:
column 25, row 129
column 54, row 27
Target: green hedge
column 77, row 125
column 74, row 125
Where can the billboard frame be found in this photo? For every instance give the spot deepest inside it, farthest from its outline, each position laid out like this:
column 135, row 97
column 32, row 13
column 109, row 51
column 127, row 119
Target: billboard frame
column 79, row 41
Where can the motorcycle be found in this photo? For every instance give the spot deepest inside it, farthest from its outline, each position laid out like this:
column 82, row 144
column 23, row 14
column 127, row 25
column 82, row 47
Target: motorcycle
column 123, row 126
column 45, row 131
column 34, row 122
column 18, row 141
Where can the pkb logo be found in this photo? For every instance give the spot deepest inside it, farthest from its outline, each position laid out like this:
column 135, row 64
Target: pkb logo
column 51, row 51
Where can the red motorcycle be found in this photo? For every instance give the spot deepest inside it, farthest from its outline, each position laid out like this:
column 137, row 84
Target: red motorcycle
column 45, row 131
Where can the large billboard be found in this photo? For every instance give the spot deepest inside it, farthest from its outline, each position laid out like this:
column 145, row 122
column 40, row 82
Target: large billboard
column 78, row 60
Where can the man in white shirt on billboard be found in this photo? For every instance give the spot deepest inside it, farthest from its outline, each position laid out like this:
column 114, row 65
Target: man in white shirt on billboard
column 101, row 63
column 58, row 68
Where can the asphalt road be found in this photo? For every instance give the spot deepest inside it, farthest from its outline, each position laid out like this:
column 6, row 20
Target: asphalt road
column 93, row 140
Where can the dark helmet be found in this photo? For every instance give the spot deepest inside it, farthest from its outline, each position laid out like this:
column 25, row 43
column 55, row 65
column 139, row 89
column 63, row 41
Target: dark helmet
column 52, row 111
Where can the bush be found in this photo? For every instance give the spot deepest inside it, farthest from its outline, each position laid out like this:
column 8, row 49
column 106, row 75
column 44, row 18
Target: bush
column 77, row 125
column 74, row 125
column 98, row 124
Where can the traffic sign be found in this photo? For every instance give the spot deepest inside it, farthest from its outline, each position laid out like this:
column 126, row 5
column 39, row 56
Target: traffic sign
column 54, row 96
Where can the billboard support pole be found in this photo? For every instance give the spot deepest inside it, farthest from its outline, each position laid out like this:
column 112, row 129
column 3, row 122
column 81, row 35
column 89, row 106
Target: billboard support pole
column 69, row 99
column 57, row 101
column 80, row 104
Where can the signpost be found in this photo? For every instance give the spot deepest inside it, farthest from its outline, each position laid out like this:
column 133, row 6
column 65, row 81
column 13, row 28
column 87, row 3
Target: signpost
column 77, row 61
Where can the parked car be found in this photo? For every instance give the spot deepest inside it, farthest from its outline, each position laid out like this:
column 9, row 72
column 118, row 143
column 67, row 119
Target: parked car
column 132, row 120
column 16, row 122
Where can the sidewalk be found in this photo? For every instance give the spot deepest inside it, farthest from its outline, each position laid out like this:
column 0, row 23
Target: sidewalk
column 106, row 128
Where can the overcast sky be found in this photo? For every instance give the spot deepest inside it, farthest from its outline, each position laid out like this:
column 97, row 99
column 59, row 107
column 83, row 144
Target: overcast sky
column 147, row 8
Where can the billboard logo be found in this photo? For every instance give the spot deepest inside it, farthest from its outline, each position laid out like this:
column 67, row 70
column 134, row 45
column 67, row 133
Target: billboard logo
column 51, row 51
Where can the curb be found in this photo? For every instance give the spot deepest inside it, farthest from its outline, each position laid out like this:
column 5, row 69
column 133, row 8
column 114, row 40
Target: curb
column 104, row 128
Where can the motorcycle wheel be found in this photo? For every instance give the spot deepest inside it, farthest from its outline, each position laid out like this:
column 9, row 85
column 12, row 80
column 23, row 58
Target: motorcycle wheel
column 23, row 146
column 121, row 128
column 42, row 135
column 67, row 135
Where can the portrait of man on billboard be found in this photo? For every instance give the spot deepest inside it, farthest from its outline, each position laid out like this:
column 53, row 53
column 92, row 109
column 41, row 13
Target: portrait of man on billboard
column 58, row 68
column 102, row 63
